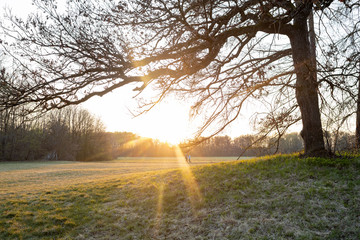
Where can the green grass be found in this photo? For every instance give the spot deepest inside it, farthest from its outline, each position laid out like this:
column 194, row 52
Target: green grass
column 279, row 197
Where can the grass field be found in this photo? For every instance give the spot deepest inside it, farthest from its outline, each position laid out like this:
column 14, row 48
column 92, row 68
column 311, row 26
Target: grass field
column 281, row 197
column 24, row 177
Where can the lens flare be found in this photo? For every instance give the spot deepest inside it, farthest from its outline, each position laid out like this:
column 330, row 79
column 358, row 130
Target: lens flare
column 159, row 208
column 192, row 187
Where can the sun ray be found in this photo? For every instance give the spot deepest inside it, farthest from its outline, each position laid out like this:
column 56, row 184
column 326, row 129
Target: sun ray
column 159, row 208
column 137, row 142
column 191, row 185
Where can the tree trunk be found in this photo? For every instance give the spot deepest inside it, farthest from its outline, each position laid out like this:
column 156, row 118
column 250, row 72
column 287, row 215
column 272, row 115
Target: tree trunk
column 357, row 131
column 312, row 40
column 306, row 88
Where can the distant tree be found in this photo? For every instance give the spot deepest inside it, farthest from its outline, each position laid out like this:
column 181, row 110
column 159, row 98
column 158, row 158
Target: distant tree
column 74, row 133
column 245, row 141
column 291, row 143
column 345, row 142
column 223, row 52
column 121, row 143
column 58, row 140
column 19, row 138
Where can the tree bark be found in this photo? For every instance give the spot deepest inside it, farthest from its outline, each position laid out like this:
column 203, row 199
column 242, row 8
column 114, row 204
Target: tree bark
column 312, row 39
column 357, row 130
column 306, row 87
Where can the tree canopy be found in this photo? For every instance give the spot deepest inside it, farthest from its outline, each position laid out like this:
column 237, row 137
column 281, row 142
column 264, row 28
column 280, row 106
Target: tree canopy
column 220, row 53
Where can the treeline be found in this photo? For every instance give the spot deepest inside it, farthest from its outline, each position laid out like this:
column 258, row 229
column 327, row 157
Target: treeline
column 289, row 143
column 131, row 145
column 75, row 134
column 67, row 134
column 248, row 145
column 125, row 144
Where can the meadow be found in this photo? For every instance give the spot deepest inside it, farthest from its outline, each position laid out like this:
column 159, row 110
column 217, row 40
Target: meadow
column 24, row 177
column 278, row 197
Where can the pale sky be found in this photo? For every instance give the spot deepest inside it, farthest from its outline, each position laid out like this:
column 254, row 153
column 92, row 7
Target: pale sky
column 169, row 121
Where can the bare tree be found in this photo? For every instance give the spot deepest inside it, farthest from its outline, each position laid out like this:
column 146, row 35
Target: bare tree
column 339, row 69
column 221, row 52
column 74, row 133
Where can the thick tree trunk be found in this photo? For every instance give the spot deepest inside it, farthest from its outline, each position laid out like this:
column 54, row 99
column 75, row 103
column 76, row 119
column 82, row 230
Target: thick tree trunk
column 357, row 130
column 312, row 39
column 306, row 88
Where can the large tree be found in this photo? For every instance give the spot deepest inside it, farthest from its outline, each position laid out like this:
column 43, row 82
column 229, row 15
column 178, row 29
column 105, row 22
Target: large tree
column 220, row 52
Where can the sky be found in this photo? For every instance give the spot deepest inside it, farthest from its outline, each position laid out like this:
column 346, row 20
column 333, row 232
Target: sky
column 168, row 121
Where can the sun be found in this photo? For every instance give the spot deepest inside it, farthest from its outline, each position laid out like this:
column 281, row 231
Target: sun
column 168, row 122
